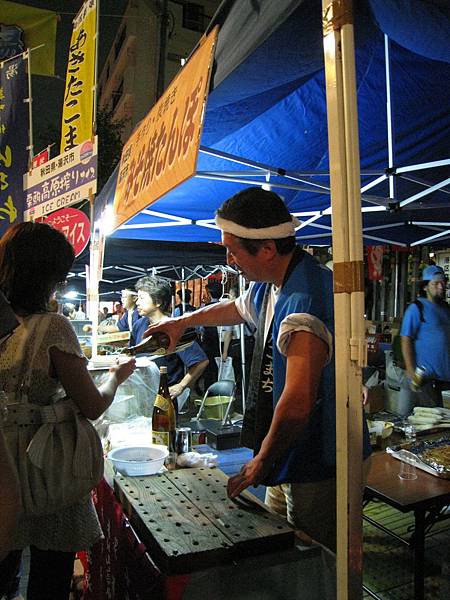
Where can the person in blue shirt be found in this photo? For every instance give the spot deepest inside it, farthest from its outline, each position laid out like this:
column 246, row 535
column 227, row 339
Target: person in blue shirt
column 425, row 337
column 128, row 318
column 131, row 314
column 154, row 297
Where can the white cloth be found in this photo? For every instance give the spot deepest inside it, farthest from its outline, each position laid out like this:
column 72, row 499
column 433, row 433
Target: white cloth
column 76, row 527
column 195, row 459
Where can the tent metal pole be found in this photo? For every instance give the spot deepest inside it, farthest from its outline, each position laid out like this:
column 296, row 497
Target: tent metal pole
column 95, row 86
column 396, row 272
column 30, row 111
column 273, row 170
column 374, row 300
column 367, row 209
column 383, row 300
column 389, row 120
column 243, row 376
column 403, row 264
column 420, row 181
column 368, row 237
column 434, row 224
column 388, row 226
column 350, row 344
column 309, row 221
column 431, row 238
column 183, row 289
column 373, row 183
column 287, row 186
column 430, row 190
column 428, row 165
column 155, row 213
column 151, row 225
column 384, row 240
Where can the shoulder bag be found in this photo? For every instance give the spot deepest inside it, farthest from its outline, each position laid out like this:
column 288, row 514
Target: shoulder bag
column 63, row 461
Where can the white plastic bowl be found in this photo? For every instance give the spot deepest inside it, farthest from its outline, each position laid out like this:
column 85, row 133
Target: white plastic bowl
column 135, row 461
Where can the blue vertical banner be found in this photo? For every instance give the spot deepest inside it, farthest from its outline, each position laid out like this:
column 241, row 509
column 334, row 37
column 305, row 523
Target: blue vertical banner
column 13, row 140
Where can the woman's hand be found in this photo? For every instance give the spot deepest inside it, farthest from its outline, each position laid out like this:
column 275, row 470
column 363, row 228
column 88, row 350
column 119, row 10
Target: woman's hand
column 176, row 390
column 123, row 370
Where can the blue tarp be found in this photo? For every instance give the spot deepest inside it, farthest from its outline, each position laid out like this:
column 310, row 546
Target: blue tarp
column 268, row 105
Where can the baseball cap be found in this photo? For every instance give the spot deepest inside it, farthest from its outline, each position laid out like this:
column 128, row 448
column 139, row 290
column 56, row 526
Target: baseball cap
column 433, row 273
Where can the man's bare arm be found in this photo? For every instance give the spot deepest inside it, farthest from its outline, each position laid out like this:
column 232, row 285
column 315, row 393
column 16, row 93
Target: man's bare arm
column 191, row 376
column 409, row 354
column 221, row 313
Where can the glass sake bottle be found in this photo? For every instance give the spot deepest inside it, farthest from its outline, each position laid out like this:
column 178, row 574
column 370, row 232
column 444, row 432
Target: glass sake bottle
column 164, row 419
column 157, row 344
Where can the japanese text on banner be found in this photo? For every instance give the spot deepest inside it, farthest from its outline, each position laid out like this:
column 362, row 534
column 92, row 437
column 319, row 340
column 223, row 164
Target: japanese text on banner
column 79, row 93
column 163, row 151
column 13, row 140
column 62, row 181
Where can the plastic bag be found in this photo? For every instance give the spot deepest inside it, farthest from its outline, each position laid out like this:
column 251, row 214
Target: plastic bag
column 225, row 368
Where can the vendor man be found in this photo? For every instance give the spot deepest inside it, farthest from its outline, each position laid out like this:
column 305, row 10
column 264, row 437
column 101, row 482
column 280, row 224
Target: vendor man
column 154, row 298
column 425, row 337
column 290, row 418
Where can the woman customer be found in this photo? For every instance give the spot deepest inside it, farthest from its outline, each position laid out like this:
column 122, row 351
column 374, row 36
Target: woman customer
column 34, row 259
column 9, row 498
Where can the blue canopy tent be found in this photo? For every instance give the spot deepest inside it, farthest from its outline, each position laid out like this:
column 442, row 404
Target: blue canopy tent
column 265, row 123
column 125, row 263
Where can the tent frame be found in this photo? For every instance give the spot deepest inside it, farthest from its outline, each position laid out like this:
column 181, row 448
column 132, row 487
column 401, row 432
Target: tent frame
column 279, row 178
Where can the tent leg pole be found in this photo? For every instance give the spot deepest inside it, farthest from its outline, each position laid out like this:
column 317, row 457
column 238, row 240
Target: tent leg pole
column 348, row 258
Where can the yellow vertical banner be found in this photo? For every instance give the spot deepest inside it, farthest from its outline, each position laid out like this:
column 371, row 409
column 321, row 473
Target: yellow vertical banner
column 78, row 105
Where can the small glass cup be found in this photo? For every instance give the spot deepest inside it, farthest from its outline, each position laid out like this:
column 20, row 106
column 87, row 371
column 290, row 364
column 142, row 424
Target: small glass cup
column 409, row 431
column 407, row 466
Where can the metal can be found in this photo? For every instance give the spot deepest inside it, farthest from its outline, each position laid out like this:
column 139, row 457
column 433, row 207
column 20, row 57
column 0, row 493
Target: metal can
column 183, row 441
column 198, row 438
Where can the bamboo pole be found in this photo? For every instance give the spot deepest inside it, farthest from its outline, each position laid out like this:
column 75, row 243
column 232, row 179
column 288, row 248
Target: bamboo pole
column 94, row 90
column 30, row 113
column 348, row 272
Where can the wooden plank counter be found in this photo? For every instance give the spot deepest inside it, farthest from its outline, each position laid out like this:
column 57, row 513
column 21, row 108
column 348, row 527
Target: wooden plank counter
column 188, row 523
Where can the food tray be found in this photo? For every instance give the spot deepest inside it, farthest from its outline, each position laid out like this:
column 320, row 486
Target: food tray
column 421, row 450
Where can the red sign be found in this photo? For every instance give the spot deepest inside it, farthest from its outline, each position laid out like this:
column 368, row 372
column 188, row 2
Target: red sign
column 40, row 158
column 74, row 224
column 375, row 261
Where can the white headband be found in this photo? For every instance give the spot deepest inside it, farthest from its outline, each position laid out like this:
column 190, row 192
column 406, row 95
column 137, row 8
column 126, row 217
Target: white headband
column 275, row 232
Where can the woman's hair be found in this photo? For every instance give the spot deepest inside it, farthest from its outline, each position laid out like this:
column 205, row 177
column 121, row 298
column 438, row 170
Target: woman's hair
column 158, row 289
column 34, row 258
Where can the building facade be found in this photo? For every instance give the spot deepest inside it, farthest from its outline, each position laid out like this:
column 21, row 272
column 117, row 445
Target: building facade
column 134, row 75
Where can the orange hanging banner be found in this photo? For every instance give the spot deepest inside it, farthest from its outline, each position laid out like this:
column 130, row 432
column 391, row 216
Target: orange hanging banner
column 163, row 150
column 375, row 262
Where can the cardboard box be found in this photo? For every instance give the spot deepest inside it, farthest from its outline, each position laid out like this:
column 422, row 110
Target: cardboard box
column 376, row 399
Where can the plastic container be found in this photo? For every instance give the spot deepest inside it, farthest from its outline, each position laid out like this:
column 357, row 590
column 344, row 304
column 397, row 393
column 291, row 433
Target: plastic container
column 215, row 407
column 135, row 461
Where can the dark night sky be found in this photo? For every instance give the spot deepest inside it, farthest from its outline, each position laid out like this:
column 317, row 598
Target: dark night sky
column 48, row 91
